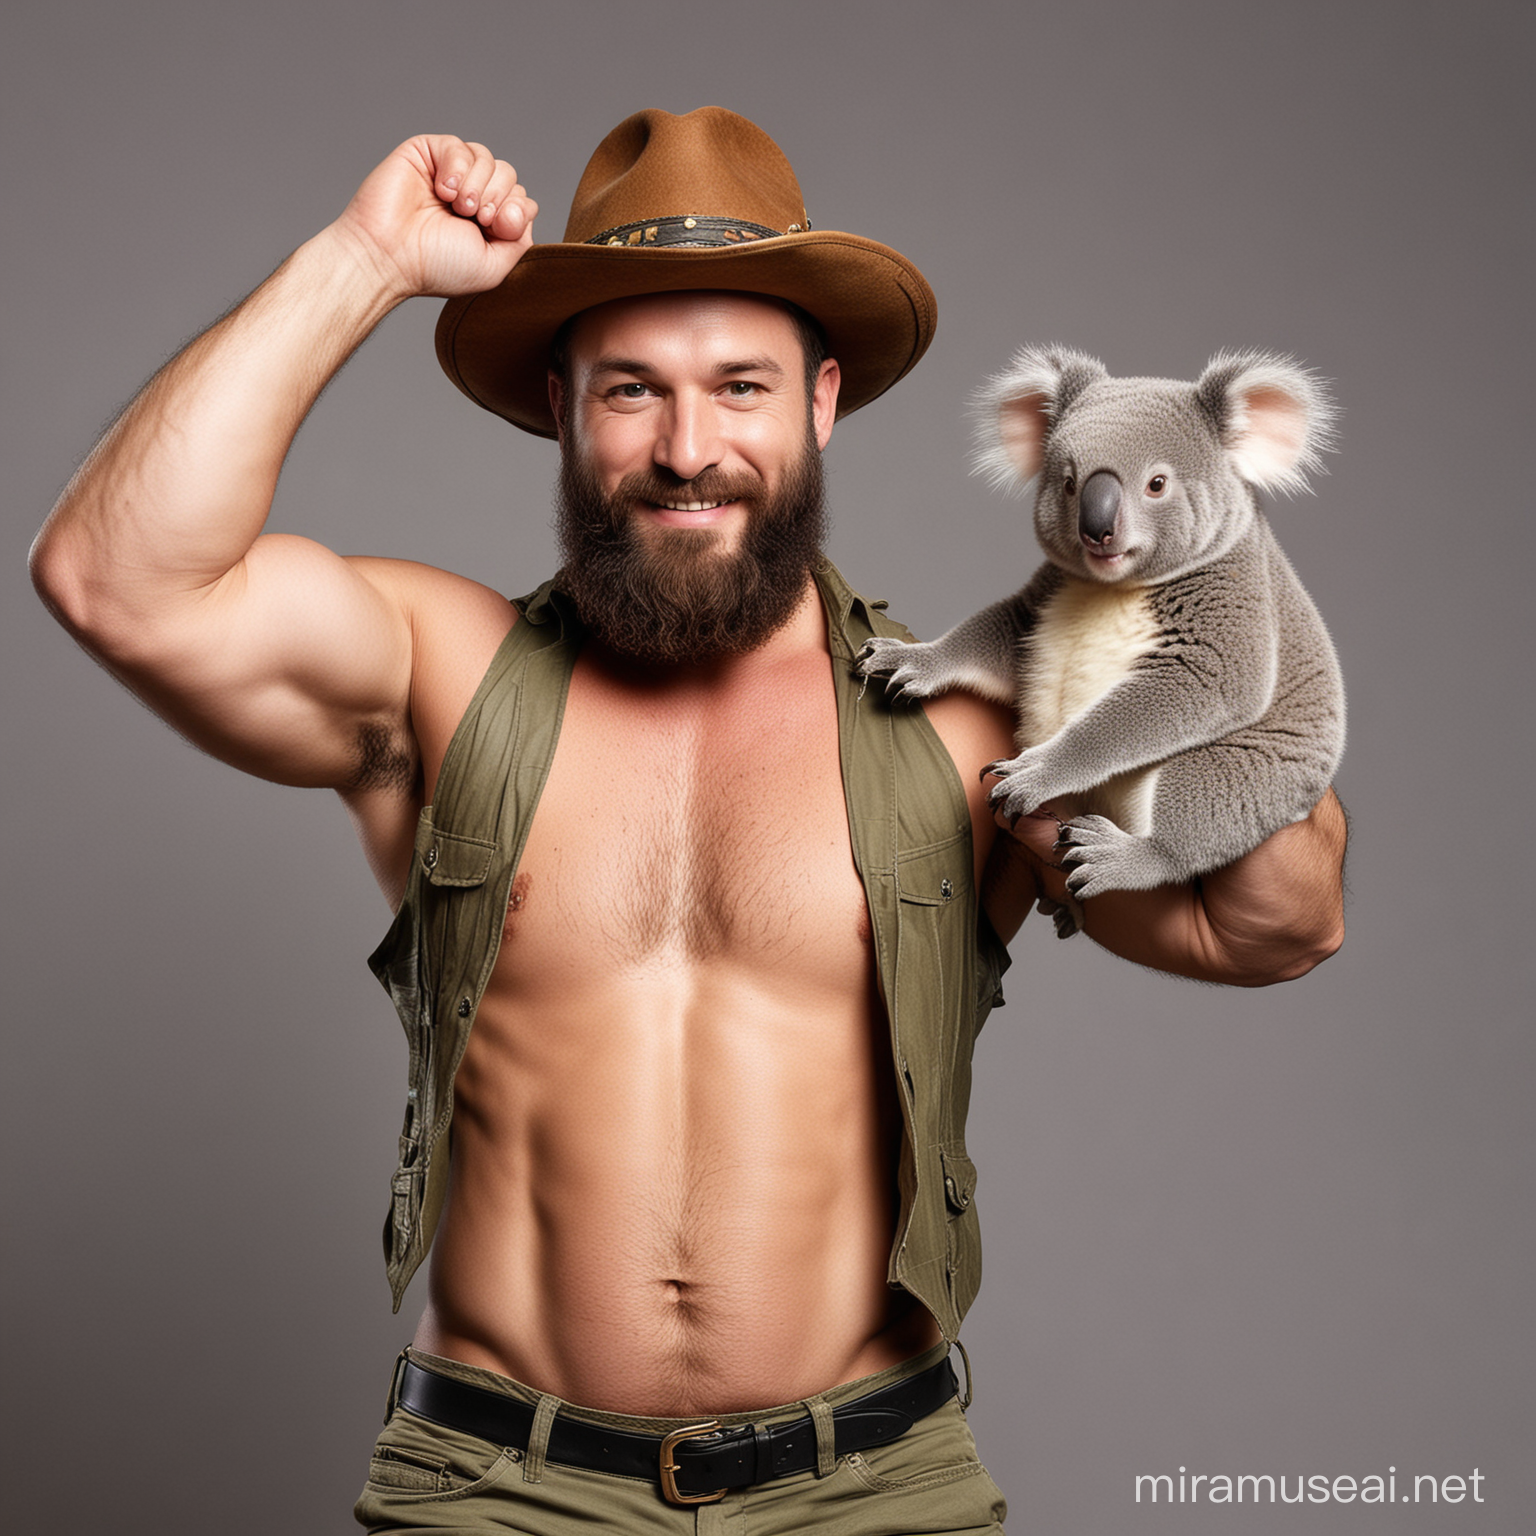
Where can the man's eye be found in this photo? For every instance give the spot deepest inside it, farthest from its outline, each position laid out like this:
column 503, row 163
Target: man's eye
column 742, row 388
column 634, row 391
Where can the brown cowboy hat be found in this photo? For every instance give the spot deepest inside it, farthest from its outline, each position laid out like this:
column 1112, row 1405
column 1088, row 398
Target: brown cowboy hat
column 705, row 200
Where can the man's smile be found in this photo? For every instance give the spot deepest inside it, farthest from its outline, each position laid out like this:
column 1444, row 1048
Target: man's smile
column 688, row 514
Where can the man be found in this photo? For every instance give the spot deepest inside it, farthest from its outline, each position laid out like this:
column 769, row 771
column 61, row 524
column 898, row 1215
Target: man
column 700, row 1026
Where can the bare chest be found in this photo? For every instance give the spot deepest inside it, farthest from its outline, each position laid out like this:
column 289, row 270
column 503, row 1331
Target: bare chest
column 680, row 829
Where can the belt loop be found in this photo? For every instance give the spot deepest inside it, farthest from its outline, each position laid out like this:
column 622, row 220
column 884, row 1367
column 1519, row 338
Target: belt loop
column 394, row 1384
column 826, row 1435
column 965, row 1401
column 762, row 1447
column 538, row 1438
column 709, row 1519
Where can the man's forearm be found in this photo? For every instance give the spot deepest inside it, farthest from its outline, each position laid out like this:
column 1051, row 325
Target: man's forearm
column 180, row 486
column 1272, row 916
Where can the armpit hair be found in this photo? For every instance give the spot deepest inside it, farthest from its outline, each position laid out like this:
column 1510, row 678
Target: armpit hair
column 383, row 760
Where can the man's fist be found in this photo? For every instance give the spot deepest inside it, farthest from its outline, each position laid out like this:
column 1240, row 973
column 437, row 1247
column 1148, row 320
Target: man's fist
column 440, row 216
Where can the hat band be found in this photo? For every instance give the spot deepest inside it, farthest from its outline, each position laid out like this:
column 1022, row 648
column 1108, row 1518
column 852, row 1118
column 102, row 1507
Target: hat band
column 691, row 229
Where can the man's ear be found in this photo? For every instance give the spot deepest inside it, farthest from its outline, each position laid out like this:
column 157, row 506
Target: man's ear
column 557, row 403
column 824, row 400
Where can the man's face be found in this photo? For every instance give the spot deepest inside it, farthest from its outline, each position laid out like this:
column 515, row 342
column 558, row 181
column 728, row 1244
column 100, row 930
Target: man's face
column 690, row 490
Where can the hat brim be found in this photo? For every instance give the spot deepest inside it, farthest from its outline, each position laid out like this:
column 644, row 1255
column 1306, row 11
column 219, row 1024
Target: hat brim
column 876, row 308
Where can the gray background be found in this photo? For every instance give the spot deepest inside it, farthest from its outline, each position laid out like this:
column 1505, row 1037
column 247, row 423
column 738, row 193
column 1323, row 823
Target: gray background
column 1283, row 1232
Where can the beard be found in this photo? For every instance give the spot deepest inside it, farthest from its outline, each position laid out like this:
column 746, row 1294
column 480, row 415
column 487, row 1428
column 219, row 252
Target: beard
column 674, row 595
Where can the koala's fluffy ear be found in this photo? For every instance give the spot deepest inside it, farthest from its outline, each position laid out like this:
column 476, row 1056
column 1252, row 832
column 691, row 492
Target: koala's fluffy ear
column 1274, row 417
column 1016, row 410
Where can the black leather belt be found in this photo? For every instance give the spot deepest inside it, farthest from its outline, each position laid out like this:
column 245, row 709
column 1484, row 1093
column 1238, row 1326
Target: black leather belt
column 695, row 1464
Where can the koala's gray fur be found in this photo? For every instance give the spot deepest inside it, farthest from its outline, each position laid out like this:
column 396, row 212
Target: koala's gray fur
column 1170, row 672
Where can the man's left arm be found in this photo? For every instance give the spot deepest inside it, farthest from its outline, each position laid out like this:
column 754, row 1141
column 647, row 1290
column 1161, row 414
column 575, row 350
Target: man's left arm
column 1272, row 916
column 1269, row 917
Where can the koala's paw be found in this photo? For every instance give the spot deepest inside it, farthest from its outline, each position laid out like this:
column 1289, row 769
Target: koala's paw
column 910, row 671
column 1021, row 785
column 1101, row 857
column 1068, row 916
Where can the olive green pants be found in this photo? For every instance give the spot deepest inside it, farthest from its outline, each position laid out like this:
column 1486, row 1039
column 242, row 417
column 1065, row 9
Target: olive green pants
column 425, row 1477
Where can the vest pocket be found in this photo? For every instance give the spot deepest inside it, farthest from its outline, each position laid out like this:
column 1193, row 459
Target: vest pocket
column 933, row 1025
column 935, row 980
column 938, row 876
column 962, row 1241
column 457, row 861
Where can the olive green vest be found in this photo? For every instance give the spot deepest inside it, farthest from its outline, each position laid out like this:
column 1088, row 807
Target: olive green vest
column 939, row 961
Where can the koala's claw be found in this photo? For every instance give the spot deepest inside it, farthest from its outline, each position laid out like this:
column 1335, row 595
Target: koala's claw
column 1021, row 786
column 1102, row 857
column 877, row 656
column 1014, row 802
column 1068, row 916
column 911, row 671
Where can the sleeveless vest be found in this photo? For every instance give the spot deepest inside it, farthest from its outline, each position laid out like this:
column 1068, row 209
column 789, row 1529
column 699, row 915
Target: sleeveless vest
column 938, row 960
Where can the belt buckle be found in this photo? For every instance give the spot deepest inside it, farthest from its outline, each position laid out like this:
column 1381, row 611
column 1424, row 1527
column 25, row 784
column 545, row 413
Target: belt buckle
column 669, row 1467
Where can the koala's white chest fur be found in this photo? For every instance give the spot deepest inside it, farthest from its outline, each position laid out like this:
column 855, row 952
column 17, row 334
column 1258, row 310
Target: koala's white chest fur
column 1087, row 638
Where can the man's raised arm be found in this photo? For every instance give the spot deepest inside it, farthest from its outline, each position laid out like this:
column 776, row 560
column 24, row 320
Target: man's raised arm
column 270, row 651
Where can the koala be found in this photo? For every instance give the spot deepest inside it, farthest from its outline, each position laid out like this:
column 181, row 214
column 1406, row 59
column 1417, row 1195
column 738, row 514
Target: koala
column 1170, row 672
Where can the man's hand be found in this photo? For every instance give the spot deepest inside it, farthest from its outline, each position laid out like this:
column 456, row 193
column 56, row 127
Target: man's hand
column 441, row 217
column 1269, row 917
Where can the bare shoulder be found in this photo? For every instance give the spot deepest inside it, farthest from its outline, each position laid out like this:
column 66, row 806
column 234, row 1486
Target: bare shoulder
column 978, row 732
column 975, row 732
column 456, row 625
column 436, row 601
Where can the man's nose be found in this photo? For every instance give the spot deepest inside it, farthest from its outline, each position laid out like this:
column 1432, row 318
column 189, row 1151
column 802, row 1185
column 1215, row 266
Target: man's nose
column 689, row 442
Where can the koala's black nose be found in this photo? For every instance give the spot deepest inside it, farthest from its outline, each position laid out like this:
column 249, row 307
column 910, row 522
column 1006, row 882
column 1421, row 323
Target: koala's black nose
column 1099, row 506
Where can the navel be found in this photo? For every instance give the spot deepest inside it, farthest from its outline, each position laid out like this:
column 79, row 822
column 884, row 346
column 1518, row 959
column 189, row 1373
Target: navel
column 681, row 1302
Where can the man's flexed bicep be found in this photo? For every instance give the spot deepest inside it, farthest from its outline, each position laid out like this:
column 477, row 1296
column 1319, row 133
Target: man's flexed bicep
column 271, row 653
column 295, row 665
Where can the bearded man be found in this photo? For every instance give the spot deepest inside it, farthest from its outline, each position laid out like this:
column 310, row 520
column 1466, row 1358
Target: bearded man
column 693, row 935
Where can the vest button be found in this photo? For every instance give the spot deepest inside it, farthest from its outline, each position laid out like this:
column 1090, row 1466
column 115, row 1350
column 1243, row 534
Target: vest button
column 465, row 1007
column 429, row 858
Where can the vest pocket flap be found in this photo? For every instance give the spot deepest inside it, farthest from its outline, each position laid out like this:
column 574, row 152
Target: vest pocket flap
column 959, row 1179
column 405, row 1203
column 936, row 876
column 452, row 860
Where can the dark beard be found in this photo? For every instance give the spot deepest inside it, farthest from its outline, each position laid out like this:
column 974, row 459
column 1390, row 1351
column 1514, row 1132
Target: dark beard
column 674, row 597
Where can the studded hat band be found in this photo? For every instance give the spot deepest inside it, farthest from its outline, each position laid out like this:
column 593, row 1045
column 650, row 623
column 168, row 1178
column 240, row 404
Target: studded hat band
column 692, row 229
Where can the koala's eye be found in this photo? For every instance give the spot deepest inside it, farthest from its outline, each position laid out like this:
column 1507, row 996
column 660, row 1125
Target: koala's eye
column 1069, row 485
column 1157, row 485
